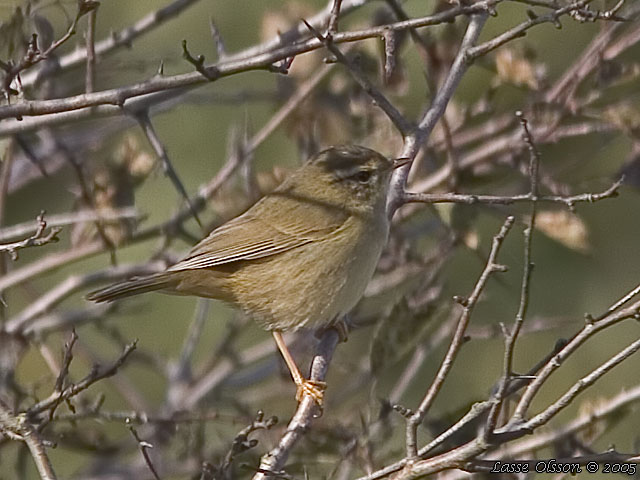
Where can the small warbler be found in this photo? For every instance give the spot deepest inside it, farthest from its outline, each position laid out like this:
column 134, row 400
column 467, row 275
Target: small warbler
column 300, row 257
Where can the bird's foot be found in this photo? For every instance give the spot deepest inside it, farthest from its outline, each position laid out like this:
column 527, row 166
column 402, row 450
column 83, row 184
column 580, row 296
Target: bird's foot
column 312, row 388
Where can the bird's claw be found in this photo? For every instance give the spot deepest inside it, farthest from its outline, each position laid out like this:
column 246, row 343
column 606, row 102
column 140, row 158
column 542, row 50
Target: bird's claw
column 312, row 388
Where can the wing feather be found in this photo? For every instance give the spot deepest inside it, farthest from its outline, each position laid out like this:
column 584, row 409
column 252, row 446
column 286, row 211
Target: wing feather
column 254, row 235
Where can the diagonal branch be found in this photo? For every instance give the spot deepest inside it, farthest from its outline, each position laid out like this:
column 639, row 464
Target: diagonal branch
column 158, row 147
column 414, row 142
column 273, row 462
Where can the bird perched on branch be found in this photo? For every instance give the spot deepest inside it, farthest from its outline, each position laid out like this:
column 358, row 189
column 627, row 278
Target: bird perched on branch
column 300, row 257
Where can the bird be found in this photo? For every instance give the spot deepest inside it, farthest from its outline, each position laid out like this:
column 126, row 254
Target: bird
column 300, row 257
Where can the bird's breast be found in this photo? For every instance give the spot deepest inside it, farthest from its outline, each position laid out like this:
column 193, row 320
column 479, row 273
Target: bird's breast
column 311, row 285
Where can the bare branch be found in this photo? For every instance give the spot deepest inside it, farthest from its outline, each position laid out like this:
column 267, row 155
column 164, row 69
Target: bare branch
column 119, row 96
column 144, row 446
column 332, row 24
column 472, row 199
column 457, row 341
column 19, row 428
column 273, row 462
column 167, row 166
column 394, row 115
column 414, row 142
column 72, row 284
column 64, row 219
column 512, row 335
column 36, row 240
column 123, row 38
column 96, row 374
column 90, row 38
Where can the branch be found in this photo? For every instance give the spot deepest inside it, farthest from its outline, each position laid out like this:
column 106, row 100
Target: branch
column 71, row 218
column 376, row 95
column 115, row 40
column 604, row 409
column 198, row 201
column 472, row 199
column 585, row 382
column 521, row 29
column 590, row 328
column 273, row 462
column 144, row 446
column 90, row 39
column 36, row 240
column 34, row 55
column 458, row 339
column 241, row 443
column 512, row 336
column 414, row 142
column 96, row 374
column 227, row 67
column 18, row 427
column 72, row 284
column 161, row 152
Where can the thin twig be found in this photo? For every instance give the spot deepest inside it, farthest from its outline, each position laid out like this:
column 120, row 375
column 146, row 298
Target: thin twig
column 472, row 199
column 90, row 38
column 158, row 147
column 590, row 328
column 72, row 218
column 113, row 41
column 585, row 382
column 381, row 101
column 144, row 446
column 36, row 240
column 34, row 55
column 332, row 24
column 414, row 142
column 457, row 341
column 96, row 374
column 521, row 29
column 72, row 284
column 512, row 336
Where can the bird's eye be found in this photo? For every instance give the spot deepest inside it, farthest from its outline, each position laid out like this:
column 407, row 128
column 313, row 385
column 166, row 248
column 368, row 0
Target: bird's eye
column 362, row 177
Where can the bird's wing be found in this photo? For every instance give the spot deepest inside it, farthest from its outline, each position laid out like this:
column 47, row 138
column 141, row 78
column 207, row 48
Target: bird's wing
column 263, row 231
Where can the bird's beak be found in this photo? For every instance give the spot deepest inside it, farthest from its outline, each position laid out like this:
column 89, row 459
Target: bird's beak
column 401, row 162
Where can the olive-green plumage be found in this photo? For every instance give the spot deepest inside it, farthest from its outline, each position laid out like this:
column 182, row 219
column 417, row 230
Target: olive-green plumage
column 301, row 256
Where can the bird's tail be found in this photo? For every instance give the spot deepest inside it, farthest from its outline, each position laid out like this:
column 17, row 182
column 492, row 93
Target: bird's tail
column 134, row 286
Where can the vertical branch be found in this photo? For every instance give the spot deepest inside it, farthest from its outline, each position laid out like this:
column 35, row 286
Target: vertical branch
column 144, row 447
column 332, row 24
column 458, row 339
column 414, row 141
column 5, row 175
column 88, row 198
column 90, row 39
column 17, row 427
column 512, row 336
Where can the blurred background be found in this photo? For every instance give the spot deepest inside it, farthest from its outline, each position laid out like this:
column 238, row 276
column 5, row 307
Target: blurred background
column 587, row 136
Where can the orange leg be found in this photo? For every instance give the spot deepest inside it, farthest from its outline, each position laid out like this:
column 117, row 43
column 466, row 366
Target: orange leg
column 304, row 387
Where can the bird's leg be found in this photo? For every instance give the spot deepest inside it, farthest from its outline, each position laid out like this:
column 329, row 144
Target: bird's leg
column 313, row 388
